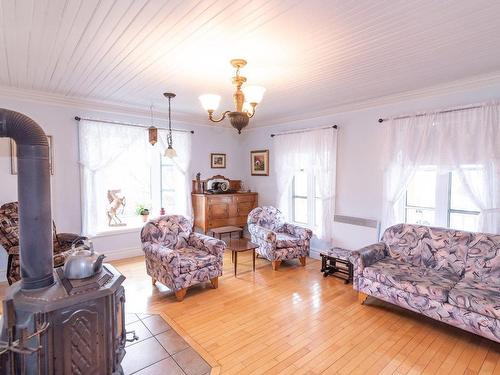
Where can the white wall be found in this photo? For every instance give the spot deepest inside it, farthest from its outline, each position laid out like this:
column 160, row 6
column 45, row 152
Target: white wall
column 359, row 173
column 58, row 121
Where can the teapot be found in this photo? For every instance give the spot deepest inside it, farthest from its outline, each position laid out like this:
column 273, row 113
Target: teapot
column 83, row 262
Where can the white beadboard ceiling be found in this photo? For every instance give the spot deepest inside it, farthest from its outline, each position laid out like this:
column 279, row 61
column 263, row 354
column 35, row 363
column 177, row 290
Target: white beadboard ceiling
column 310, row 55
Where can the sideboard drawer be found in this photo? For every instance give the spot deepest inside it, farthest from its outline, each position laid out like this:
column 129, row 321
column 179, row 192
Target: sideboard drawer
column 220, row 200
column 245, row 198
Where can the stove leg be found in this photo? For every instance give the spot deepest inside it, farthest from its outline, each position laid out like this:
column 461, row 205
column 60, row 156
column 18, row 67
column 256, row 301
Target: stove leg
column 180, row 294
column 302, row 261
column 153, row 281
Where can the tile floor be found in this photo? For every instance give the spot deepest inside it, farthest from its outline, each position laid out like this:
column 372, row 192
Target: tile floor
column 159, row 349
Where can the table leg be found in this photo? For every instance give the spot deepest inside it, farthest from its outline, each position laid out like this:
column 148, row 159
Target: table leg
column 235, row 261
column 253, row 260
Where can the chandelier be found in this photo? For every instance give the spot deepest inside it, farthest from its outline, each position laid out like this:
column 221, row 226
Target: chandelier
column 245, row 100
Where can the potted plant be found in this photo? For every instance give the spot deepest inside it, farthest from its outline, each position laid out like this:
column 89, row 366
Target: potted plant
column 143, row 211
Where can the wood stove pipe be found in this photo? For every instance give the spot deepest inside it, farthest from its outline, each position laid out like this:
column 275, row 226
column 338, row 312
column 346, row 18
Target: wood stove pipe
column 33, row 186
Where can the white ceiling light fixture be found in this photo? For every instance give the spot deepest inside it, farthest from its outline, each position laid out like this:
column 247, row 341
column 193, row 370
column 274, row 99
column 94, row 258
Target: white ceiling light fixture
column 245, row 100
column 170, row 151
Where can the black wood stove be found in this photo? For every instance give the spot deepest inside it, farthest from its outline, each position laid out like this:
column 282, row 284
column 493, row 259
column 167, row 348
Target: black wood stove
column 51, row 324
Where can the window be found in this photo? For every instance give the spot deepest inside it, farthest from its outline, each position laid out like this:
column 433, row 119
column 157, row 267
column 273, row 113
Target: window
column 305, row 200
column 122, row 173
column 420, row 207
column 463, row 213
column 440, row 199
column 167, row 192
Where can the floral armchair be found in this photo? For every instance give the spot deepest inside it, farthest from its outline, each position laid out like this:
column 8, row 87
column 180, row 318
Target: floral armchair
column 278, row 240
column 178, row 257
column 9, row 240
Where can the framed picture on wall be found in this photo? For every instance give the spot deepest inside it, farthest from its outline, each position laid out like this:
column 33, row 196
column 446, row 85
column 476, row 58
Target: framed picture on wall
column 13, row 156
column 217, row 160
column 259, row 162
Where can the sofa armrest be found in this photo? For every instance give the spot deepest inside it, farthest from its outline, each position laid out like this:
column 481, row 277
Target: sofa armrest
column 162, row 255
column 297, row 231
column 365, row 257
column 209, row 244
column 262, row 234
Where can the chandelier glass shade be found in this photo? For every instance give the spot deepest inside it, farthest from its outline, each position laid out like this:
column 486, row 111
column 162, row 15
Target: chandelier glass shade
column 245, row 100
column 170, row 151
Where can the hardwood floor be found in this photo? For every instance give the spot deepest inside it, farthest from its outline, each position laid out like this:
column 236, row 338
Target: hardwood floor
column 294, row 321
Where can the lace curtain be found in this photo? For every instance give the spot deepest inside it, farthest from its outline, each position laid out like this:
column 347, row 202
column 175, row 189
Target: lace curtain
column 114, row 156
column 182, row 145
column 315, row 152
column 451, row 141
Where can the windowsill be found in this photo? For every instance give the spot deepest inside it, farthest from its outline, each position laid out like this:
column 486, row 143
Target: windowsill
column 133, row 228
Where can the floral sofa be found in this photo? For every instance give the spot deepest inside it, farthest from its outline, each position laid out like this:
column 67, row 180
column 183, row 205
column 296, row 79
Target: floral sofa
column 9, row 240
column 278, row 240
column 178, row 257
column 451, row 276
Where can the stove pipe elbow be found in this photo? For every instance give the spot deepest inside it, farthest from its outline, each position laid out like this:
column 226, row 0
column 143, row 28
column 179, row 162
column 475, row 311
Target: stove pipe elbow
column 33, row 185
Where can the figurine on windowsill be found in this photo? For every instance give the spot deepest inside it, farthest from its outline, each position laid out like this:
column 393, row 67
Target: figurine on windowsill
column 116, row 201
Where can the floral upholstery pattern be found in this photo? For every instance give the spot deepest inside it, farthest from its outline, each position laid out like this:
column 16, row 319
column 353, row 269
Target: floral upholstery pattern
column 481, row 298
column 422, row 281
column 178, row 257
column 483, row 258
column 9, row 240
column 427, row 246
column 277, row 240
column 471, row 321
column 449, row 275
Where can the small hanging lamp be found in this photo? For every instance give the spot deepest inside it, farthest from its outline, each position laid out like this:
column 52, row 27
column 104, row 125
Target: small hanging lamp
column 170, row 151
column 152, row 130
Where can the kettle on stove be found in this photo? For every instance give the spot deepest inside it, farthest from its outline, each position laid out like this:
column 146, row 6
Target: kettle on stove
column 83, row 261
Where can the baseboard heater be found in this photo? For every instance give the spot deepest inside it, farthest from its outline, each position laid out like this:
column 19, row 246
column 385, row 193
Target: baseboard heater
column 359, row 221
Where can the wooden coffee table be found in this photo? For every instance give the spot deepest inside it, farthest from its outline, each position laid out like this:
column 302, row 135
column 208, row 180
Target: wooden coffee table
column 225, row 230
column 239, row 245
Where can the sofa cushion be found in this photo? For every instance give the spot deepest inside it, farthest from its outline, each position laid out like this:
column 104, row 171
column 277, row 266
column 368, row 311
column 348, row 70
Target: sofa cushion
column 438, row 248
column 483, row 258
column 427, row 282
column 284, row 240
column 483, row 298
column 192, row 259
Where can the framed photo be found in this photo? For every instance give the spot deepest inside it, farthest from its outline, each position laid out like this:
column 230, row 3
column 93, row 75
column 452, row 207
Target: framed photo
column 259, row 162
column 13, row 156
column 217, row 160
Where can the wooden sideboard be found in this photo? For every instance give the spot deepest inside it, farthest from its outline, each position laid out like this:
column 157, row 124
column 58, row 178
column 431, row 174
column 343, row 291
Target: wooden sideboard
column 219, row 210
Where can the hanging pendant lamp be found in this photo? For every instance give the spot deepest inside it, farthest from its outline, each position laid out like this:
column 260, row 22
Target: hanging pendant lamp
column 170, row 151
column 152, row 130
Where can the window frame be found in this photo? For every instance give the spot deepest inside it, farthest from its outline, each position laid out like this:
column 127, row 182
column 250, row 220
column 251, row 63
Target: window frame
column 310, row 201
column 442, row 209
column 171, row 165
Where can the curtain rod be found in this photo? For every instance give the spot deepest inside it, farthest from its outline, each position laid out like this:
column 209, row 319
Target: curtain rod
column 304, row 130
column 380, row 120
column 78, row 118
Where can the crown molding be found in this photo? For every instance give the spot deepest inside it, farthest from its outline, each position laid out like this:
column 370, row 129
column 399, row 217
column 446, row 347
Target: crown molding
column 96, row 105
column 109, row 107
column 471, row 83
